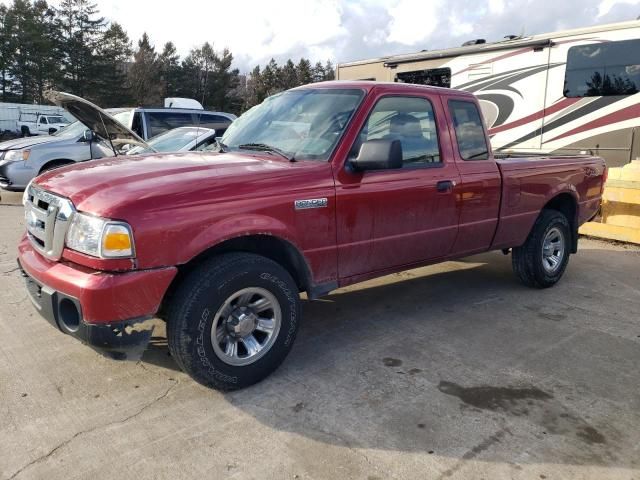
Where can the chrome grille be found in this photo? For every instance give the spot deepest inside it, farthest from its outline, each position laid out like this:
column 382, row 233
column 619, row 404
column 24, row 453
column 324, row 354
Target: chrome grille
column 47, row 219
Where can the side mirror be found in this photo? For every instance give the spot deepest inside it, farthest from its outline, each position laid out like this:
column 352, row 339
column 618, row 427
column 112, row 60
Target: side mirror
column 88, row 136
column 380, row 154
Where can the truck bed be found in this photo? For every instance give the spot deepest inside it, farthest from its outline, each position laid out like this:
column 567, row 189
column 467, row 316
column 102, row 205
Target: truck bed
column 529, row 181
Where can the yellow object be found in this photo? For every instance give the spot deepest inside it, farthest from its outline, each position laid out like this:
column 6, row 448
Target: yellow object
column 117, row 241
column 620, row 208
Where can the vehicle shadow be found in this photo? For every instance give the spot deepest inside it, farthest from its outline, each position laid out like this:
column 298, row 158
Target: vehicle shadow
column 460, row 360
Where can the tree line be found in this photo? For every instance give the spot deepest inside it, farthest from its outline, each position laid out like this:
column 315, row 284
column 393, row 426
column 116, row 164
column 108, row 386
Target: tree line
column 74, row 49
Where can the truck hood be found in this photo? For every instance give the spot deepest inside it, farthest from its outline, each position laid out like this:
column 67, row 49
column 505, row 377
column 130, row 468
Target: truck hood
column 95, row 119
column 108, row 186
column 26, row 142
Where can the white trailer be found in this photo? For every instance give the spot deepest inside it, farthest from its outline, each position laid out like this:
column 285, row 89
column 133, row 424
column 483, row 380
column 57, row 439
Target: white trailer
column 562, row 92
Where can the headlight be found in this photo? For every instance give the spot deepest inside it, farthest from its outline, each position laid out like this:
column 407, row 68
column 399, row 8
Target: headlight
column 100, row 237
column 13, row 155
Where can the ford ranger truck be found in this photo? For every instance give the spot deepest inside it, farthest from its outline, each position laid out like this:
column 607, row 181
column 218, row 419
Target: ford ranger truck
column 318, row 187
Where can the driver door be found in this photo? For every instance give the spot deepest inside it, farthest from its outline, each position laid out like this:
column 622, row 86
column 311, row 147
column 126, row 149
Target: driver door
column 392, row 218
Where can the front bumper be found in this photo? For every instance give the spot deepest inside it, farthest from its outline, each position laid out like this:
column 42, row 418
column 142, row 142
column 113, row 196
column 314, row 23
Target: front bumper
column 108, row 311
column 14, row 176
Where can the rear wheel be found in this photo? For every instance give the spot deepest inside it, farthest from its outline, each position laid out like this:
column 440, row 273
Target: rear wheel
column 24, row 130
column 543, row 258
column 233, row 320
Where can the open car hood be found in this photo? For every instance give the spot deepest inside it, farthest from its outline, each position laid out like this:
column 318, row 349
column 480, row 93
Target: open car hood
column 95, row 119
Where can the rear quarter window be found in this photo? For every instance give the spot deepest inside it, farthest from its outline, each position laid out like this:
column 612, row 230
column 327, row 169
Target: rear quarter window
column 470, row 136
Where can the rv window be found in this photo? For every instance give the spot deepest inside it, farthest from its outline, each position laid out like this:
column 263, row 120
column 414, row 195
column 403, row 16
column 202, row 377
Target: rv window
column 437, row 77
column 408, row 119
column 603, row 69
column 472, row 143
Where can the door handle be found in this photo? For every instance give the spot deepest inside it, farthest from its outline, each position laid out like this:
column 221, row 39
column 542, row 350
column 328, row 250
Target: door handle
column 445, row 185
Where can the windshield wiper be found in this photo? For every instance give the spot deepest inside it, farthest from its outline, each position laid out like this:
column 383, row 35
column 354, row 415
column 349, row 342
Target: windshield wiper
column 263, row 147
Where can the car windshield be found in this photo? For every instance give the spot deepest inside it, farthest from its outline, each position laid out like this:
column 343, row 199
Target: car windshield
column 306, row 124
column 76, row 129
column 173, row 140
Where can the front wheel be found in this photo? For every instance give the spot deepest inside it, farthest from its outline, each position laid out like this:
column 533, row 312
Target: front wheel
column 543, row 258
column 233, row 320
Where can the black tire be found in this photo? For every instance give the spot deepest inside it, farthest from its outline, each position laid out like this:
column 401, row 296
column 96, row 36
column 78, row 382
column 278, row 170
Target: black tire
column 25, row 131
column 195, row 306
column 528, row 260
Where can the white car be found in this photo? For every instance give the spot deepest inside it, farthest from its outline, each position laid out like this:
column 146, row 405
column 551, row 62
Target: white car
column 40, row 124
column 181, row 139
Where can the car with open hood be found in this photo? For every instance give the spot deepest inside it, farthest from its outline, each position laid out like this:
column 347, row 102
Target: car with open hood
column 96, row 134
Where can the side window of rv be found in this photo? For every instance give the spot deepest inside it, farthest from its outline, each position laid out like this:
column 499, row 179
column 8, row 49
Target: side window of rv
column 43, row 120
column 437, row 77
column 472, row 143
column 603, row 69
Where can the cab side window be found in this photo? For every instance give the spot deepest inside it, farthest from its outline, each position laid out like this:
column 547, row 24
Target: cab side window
column 472, row 143
column 408, row 119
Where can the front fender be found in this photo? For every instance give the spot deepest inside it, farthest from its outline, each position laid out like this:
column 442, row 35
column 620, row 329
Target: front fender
column 234, row 227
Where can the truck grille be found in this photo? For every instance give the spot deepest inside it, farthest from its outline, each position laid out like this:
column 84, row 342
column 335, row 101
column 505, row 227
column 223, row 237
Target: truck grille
column 47, row 218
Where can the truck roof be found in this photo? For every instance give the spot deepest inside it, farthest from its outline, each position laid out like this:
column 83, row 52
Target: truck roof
column 368, row 85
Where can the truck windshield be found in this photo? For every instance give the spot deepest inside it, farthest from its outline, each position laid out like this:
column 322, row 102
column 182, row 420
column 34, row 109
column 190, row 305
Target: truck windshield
column 306, row 124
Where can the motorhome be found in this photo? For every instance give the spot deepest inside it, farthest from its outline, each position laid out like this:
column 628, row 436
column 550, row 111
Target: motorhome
column 564, row 92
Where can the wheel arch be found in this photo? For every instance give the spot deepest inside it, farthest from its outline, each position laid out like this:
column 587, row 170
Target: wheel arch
column 275, row 248
column 567, row 204
column 60, row 162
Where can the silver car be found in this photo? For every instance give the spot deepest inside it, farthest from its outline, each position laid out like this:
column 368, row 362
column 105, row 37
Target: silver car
column 98, row 133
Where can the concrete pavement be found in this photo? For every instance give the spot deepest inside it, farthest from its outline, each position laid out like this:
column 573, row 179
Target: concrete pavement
column 451, row 371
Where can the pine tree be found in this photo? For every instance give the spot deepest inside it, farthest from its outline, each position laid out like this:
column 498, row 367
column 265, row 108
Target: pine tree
column 46, row 53
column 289, row 75
column 21, row 66
column 224, row 83
column 7, row 50
column 270, row 79
column 144, row 74
column 81, row 35
column 329, row 71
column 253, row 92
column 170, row 70
column 114, row 54
column 318, row 72
column 304, row 72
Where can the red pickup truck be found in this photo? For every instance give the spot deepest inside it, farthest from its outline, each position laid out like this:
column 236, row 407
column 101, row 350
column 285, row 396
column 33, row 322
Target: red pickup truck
column 318, row 187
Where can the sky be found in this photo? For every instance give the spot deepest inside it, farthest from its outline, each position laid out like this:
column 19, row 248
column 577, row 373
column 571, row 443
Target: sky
column 257, row 30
